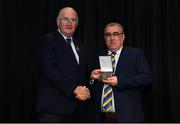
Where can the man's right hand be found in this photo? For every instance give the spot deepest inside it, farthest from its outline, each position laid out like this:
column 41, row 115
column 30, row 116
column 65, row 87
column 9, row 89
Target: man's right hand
column 95, row 74
column 82, row 93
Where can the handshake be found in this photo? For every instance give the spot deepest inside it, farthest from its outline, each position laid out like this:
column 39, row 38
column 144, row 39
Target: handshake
column 82, row 93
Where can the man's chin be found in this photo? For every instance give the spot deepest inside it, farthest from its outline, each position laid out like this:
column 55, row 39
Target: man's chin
column 68, row 34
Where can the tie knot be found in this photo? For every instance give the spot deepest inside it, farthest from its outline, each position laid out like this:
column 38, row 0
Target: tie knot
column 113, row 53
column 68, row 40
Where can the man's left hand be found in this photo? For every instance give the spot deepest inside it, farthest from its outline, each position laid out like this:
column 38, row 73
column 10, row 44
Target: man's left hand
column 111, row 80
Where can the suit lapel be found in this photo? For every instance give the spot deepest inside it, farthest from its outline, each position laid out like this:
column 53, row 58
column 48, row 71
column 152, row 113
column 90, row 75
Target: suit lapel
column 66, row 48
column 120, row 60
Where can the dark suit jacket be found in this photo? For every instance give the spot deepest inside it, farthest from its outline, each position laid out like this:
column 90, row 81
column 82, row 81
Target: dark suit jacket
column 133, row 73
column 60, row 74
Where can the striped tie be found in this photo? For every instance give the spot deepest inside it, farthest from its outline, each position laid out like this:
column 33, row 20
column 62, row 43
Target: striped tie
column 107, row 97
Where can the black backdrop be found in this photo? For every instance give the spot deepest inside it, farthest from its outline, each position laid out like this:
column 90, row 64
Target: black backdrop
column 152, row 25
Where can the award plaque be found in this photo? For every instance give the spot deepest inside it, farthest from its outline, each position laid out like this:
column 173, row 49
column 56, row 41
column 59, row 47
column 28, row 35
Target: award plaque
column 106, row 67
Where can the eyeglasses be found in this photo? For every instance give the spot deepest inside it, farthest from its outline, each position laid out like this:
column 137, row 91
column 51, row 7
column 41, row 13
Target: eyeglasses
column 114, row 34
column 67, row 20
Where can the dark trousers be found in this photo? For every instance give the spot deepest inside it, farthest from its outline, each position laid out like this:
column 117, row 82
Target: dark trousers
column 108, row 117
column 57, row 118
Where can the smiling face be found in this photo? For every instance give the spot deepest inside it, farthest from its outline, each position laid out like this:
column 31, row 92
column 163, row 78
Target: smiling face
column 67, row 21
column 114, row 36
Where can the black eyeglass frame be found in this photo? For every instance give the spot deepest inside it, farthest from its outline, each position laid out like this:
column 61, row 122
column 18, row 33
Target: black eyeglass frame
column 115, row 34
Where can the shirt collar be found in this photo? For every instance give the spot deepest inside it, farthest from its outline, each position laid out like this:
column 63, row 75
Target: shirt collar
column 117, row 52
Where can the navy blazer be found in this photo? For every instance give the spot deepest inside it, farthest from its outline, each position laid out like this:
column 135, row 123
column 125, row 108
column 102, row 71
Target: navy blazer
column 133, row 74
column 60, row 74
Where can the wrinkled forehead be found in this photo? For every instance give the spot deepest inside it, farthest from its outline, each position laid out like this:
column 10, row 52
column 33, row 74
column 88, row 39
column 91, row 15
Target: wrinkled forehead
column 112, row 29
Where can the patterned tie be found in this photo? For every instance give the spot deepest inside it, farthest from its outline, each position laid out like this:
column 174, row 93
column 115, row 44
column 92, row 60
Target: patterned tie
column 107, row 97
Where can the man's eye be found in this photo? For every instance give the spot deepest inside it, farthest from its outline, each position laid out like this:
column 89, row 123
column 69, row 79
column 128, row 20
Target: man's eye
column 116, row 33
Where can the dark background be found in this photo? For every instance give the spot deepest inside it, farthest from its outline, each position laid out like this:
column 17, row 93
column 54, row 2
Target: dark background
column 152, row 25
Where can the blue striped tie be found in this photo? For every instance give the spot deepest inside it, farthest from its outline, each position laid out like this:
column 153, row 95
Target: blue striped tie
column 107, row 97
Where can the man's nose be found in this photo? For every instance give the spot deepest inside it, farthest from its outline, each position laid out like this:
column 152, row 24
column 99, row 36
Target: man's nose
column 69, row 22
column 112, row 37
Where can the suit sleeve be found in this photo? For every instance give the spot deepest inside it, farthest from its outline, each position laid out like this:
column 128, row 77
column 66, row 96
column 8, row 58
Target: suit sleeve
column 49, row 69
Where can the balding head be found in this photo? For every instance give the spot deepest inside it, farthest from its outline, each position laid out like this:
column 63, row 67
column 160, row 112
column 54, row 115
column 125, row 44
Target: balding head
column 67, row 9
